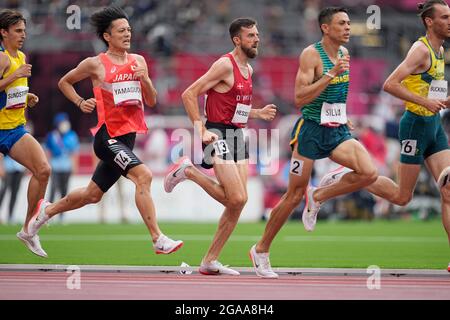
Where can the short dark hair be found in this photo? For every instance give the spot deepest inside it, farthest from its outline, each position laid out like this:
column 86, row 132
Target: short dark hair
column 326, row 15
column 237, row 24
column 426, row 9
column 102, row 20
column 9, row 18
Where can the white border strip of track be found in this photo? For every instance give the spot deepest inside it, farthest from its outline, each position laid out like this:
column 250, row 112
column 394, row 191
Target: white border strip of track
column 242, row 270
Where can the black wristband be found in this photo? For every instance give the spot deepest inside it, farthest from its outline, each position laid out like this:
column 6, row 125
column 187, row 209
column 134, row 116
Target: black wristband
column 80, row 102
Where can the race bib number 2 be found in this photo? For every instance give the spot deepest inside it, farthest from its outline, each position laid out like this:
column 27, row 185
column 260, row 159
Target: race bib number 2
column 296, row 167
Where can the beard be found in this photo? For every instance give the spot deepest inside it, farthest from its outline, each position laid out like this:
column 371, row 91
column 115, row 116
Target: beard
column 443, row 34
column 250, row 52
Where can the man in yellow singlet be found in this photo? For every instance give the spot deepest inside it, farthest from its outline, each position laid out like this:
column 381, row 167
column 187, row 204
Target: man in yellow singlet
column 419, row 82
column 14, row 98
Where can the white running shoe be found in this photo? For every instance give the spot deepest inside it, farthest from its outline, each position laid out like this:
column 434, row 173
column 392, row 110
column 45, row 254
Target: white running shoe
column 176, row 174
column 334, row 176
column 261, row 263
column 444, row 178
column 309, row 216
column 39, row 219
column 32, row 243
column 215, row 268
column 165, row 245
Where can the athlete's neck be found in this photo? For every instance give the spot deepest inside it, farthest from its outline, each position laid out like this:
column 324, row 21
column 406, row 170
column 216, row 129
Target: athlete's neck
column 240, row 57
column 435, row 42
column 331, row 47
column 117, row 55
column 11, row 50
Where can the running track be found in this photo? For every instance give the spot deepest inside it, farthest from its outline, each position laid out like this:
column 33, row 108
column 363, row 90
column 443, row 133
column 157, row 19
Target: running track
column 25, row 283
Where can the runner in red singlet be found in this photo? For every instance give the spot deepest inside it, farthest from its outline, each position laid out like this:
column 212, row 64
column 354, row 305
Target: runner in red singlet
column 121, row 87
column 228, row 87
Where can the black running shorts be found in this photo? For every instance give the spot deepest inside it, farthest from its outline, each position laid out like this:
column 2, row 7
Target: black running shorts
column 231, row 144
column 116, row 156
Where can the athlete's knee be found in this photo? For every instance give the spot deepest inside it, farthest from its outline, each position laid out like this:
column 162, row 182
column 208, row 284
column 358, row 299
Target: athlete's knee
column 368, row 174
column 295, row 196
column 43, row 171
column 444, row 184
column 92, row 197
column 237, row 201
column 372, row 176
column 403, row 200
column 145, row 177
column 445, row 193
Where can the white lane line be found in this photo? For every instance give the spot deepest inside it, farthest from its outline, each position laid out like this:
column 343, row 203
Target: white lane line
column 239, row 238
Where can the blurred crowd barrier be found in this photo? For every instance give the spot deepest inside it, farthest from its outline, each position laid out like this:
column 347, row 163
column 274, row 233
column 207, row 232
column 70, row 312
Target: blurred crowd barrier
column 273, row 82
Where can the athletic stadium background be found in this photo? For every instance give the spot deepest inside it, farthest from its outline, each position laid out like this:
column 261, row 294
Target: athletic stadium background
column 180, row 39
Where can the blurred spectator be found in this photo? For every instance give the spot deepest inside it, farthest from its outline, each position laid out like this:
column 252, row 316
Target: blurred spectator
column 119, row 199
column 372, row 137
column 446, row 123
column 63, row 145
column 12, row 174
column 156, row 151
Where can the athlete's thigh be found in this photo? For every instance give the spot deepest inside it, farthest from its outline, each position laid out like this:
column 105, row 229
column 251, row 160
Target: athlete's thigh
column 29, row 153
column 352, row 154
column 242, row 166
column 228, row 175
column 438, row 162
column 299, row 171
column 105, row 176
column 407, row 175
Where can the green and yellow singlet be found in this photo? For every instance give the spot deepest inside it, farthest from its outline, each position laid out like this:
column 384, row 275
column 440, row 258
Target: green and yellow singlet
column 420, row 83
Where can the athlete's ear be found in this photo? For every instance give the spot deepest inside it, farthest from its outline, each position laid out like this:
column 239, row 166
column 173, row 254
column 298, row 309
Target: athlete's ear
column 325, row 28
column 237, row 40
column 106, row 36
column 3, row 32
column 428, row 21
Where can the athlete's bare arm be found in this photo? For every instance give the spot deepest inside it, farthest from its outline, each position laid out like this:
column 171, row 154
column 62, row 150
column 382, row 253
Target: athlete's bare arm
column 266, row 113
column 447, row 101
column 219, row 76
column 32, row 99
column 416, row 61
column 309, row 82
column 88, row 68
column 22, row 72
column 148, row 90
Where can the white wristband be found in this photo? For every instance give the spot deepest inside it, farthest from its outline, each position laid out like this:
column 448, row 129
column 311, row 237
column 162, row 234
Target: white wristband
column 329, row 75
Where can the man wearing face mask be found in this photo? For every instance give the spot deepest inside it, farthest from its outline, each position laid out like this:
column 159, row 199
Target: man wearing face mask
column 62, row 144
